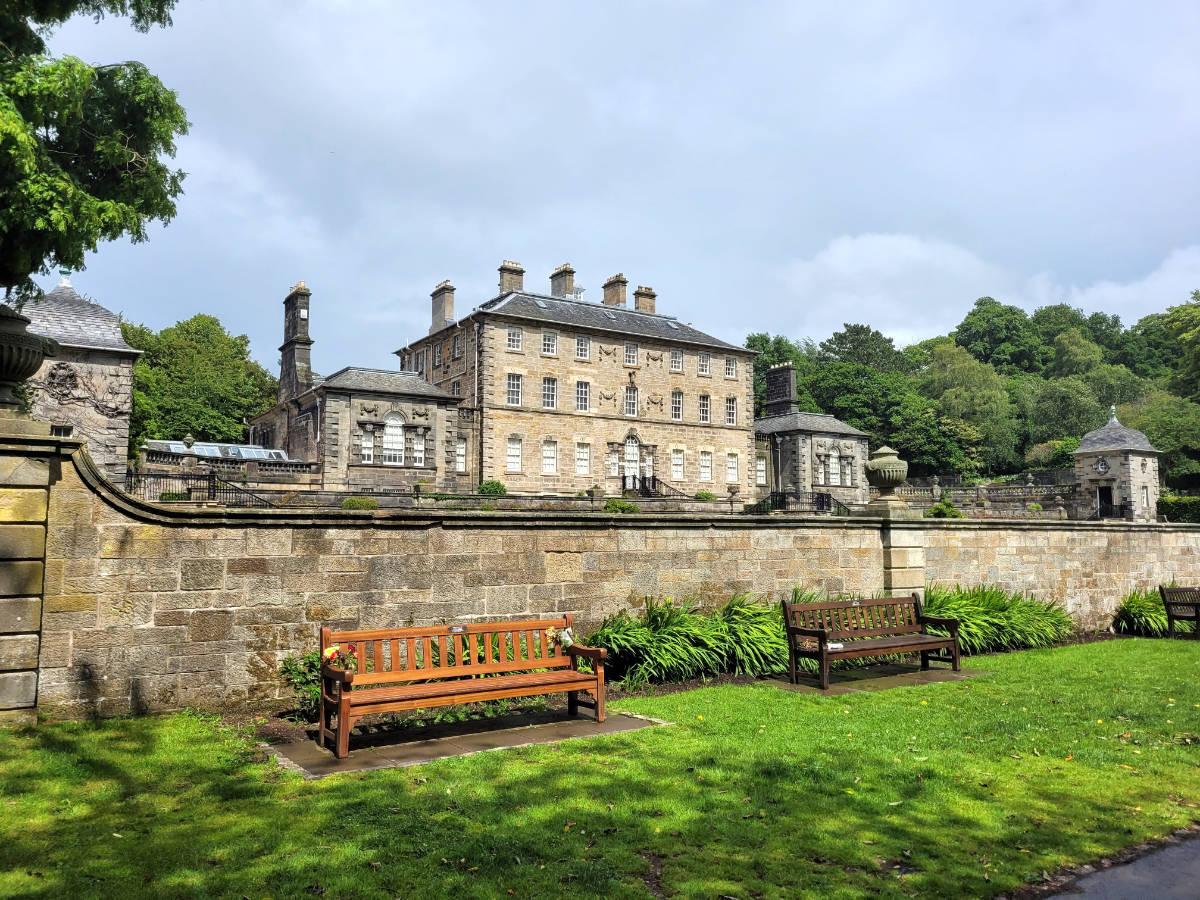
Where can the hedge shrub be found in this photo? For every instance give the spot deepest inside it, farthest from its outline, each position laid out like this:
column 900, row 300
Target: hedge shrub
column 617, row 505
column 493, row 488
column 360, row 503
column 1179, row 509
column 943, row 509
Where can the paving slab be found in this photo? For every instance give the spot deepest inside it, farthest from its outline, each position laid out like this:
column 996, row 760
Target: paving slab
column 385, row 749
column 874, row 678
column 1170, row 873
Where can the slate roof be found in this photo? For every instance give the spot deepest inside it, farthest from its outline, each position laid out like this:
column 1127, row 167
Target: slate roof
column 76, row 322
column 1115, row 436
column 822, row 423
column 570, row 312
column 383, row 381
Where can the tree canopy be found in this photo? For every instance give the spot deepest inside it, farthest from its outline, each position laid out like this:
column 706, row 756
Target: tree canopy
column 84, row 148
column 1008, row 390
column 195, row 377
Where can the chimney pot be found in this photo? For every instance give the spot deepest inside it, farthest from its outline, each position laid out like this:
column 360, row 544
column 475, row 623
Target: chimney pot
column 512, row 277
column 562, row 281
column 643, row 299
column 614, row 290
column 443, row 306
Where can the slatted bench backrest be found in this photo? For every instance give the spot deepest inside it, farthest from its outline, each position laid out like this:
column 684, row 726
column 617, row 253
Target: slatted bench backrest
column 392, row 655
column 1186, row 598
column 849, row 619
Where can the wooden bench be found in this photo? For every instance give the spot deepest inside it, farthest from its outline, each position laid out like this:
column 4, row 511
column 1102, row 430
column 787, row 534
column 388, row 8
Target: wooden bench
column 852, row 629
column 1182, row 605
column 442, row 665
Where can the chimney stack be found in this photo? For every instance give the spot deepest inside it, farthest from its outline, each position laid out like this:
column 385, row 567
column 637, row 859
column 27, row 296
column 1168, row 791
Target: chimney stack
column 443, row 306
column 562, row 281
column 643, row 299
column 614, row 290
column 295, row 366
column 781, row 391
column 512, row 277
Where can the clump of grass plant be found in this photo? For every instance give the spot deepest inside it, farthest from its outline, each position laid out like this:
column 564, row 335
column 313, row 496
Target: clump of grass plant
column 991, row 618
column 1142, row 613
column 360, row 503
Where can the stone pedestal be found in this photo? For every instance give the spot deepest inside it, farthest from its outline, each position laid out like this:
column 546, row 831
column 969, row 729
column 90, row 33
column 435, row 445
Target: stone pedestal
column 903, row 559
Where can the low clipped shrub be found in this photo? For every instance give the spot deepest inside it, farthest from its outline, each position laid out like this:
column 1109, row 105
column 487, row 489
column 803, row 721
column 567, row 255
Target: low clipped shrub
column 1142, row 613
column 991, row 618
column 943, row 509
column 617, row 505
column 493, row 488
column 360, row 503
column 487, row 507
column 173, row 496
column 1179, row 509
column 1034, row 507
column 705, row 495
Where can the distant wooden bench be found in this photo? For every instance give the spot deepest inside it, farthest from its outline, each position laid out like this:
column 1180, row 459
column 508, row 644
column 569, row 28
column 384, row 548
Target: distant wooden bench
column 1182, row 605
column 852, row 629
column 443, row 665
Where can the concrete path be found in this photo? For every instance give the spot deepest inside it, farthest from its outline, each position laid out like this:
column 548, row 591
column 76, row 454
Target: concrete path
column 385, row 750
column 1170, row 873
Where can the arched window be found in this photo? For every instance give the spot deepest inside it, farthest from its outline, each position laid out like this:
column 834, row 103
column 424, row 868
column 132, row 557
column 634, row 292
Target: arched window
column 393, row 440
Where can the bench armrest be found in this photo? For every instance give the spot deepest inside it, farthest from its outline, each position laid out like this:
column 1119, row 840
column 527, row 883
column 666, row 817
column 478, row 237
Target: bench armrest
column 341, row 676
column 821, row 634
column 941, row 621
column 597, row 653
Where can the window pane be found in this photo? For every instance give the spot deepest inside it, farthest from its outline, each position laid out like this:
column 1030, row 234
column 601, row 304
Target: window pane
column 583, row 459
column 550, row 343
column 631, row 400
column 705, row 465
column 705, row 404
column 731, row 467
column 704, row 363
column 730, row 367
column 631, row 354
column 731, row 410
column 366, row 446
column 549, row 393
column 512, row 461
column 676, row 360
column 677, row 405
column 583, row 348
column 393, row 441
column 549, row 457
column 514, row 338
column 677, row 465
column 460, row 455
column 583, row 396
column 514, row 390
column 760, row 470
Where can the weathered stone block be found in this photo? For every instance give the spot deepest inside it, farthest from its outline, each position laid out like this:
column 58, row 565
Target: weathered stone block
column 20, row 614
column 18, row 651
column 210, row 625
column 20, row 578
column 201, row 574
column 269, row 542
column 22, row 505
column 18, row 690
column 24, row 471
column 17, row 718
column 22, row 542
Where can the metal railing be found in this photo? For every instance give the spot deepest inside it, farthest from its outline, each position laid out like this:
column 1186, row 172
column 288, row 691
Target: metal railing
column 1123, row 510
column 187, row 488
column 801, row 502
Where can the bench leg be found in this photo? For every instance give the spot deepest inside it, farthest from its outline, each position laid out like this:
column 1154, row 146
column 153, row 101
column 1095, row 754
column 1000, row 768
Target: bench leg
column 824, row 673
column 791, row 661
column 342, row 749
column 600, row 692
column 924, row 660
column 572, row 703
column 957, row 655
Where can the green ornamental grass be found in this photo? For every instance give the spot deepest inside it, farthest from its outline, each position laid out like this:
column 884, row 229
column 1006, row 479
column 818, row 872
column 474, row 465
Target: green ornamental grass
column 1142, row 613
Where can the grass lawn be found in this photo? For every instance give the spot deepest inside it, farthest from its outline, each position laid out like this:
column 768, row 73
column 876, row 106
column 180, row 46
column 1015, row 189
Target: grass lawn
column 956, row 789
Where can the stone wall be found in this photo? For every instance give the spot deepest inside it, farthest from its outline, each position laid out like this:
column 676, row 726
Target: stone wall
column 1086, row 566
column 132, row 606
column 157, row 608
column 92, row 391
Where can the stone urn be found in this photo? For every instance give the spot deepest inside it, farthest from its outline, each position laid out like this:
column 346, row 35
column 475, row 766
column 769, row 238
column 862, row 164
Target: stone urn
column 886, row 471
column 21, row 354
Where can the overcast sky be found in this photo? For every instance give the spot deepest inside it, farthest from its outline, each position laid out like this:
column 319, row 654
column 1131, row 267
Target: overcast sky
column 781, row 167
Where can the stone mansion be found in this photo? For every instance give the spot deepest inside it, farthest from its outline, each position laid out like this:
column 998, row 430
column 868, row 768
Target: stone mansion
column 558, row 395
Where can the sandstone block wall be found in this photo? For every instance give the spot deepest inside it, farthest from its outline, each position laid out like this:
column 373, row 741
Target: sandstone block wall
column 145, row 614
column 1086, row 566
